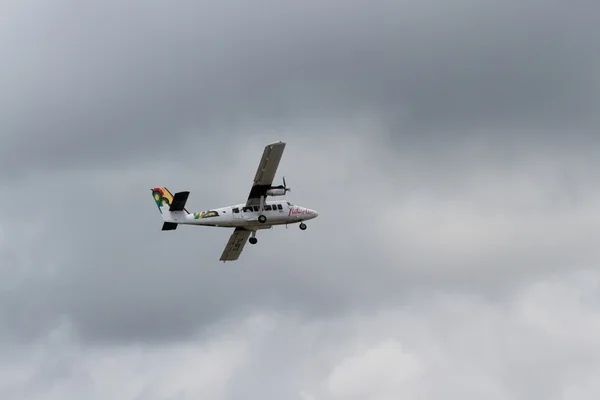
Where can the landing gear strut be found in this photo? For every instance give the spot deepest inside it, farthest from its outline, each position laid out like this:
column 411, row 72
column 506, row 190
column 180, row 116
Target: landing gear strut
column 302, row 226
column 253, row 239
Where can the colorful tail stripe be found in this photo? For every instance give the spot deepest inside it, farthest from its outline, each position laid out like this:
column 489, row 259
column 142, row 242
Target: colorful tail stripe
column 162, row 197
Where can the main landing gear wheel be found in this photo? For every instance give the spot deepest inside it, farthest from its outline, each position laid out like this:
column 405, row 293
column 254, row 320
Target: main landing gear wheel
column 262, row 219
column 303, row 226
column 253, row 238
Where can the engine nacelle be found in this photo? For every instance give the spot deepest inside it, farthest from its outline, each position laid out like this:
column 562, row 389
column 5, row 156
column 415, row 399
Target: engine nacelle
column 276, row 192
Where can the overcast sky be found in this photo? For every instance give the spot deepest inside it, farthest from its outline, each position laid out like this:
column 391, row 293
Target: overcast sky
column 450, row 148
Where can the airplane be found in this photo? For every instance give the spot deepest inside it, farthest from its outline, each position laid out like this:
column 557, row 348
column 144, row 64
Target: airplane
column 247, row 218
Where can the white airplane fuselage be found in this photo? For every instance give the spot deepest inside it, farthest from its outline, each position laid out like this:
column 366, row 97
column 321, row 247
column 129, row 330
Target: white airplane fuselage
column 278, row 212
column 257, row 212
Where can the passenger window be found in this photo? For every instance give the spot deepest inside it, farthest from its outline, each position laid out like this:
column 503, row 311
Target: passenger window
column 268, row 207
column 247, row 209
column 255, row 208
column 279, row 207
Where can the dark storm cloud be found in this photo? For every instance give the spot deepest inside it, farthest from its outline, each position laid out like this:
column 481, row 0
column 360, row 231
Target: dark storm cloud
column 97, row 82
column 102, row 101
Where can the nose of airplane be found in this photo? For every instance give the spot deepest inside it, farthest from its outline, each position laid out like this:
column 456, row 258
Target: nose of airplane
column 315, row 213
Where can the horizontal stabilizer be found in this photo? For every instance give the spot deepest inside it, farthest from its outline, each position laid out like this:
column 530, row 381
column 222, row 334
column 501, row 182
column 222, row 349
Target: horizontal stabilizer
column 169, row 226
column 179, row 201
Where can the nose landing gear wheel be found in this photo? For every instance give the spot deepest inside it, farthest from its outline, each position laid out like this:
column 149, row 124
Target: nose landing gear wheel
column 303, row 226
column 253, row 240
column 262, row 219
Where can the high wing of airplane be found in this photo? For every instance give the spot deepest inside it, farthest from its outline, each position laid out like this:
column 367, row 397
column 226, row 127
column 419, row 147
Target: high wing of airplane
column 246, row 218
column 265, row 173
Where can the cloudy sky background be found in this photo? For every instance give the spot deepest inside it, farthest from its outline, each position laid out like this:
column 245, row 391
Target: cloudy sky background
column 450, row 148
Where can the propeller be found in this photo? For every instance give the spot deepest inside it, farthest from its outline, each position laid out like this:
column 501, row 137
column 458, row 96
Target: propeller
column 284, row 187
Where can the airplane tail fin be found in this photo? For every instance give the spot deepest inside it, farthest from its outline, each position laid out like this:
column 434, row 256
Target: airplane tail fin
column 170, row 206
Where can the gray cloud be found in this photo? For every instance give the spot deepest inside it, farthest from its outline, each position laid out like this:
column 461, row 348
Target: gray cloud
column 483, row 228
column 450, row 150
column 539, row 343
column 97, row 82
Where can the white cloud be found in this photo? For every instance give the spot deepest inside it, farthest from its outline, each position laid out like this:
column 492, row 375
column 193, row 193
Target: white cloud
column 541, row 343
column 59, row 368
column 383, row 372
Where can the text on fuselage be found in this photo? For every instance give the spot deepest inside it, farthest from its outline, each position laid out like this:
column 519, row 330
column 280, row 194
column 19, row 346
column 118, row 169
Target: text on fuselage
column 298, row 210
